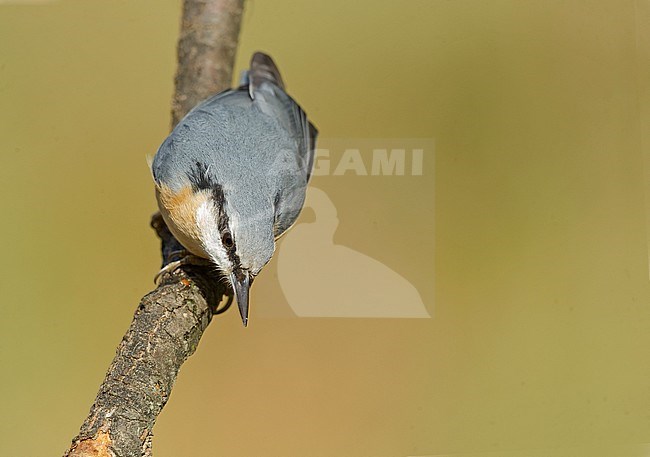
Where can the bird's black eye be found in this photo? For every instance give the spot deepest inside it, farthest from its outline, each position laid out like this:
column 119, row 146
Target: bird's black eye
column 227, row 240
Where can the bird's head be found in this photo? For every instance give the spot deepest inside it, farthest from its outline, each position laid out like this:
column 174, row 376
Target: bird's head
column 235, row 229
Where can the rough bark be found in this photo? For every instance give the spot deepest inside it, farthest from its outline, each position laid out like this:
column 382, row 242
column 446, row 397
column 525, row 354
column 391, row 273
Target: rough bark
column 169, row 321
column 206, row 51
column 165, row 331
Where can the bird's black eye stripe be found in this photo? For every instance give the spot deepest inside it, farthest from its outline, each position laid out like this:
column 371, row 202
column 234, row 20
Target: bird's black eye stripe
column 199, row 178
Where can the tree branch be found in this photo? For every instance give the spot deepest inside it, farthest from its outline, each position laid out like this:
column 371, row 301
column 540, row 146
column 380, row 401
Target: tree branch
column 206, row 51
column 169, row 321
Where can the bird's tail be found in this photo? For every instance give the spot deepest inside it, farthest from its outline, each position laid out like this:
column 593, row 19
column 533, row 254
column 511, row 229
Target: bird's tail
column 263, row 69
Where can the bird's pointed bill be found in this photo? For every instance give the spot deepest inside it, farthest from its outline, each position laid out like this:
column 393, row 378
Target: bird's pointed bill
column 241, row 283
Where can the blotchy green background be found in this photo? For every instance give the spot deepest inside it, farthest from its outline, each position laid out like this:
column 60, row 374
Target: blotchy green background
column 526, row 237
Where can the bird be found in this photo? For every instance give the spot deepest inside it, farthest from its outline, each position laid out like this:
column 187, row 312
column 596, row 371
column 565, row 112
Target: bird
column 230, row 179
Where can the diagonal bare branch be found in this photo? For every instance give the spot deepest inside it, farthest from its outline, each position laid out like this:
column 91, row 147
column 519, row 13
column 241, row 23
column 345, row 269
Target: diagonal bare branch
column 169, row 321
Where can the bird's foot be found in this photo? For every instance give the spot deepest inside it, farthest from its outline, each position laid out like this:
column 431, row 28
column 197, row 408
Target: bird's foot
column 184, row 258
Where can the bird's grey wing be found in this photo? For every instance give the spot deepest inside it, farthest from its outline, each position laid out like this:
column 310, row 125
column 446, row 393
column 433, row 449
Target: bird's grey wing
column 266, row 88
column 288, row 204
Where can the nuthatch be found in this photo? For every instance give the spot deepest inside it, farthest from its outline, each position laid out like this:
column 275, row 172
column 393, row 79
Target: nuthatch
column 231, row 176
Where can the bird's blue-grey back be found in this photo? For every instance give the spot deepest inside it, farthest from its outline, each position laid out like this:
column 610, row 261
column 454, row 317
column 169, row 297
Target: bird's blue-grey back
column 254, row 142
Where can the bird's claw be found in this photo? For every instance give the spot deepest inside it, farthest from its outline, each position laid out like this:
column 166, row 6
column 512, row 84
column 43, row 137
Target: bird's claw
column 186, row 259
